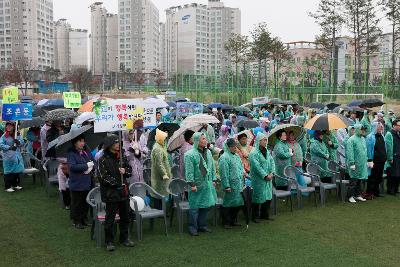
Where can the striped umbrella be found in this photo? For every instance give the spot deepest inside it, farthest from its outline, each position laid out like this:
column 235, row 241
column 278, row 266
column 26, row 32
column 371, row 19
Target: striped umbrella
column 326, row 122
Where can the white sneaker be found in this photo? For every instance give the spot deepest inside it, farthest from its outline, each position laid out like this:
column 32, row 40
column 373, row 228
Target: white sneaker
column 9, row 190
column 361, row 199
column 18, row 187
column 352, row 200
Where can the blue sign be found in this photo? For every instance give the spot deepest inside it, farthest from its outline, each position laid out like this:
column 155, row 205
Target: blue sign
column 17, row 112
column 185, row 109
column 185, row 19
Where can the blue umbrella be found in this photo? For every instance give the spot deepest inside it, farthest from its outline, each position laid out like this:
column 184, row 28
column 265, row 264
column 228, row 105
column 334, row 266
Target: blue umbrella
column 215, row 105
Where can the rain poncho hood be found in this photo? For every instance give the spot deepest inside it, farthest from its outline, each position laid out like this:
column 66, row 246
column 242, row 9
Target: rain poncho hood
column 160, row 137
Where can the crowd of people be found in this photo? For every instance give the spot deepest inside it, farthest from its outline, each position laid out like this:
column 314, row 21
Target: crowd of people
column 219, row 160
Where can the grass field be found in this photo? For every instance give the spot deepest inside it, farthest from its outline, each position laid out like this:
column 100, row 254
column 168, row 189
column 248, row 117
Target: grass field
column 35, row 231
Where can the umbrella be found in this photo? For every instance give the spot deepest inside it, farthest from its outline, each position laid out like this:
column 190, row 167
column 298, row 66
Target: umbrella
column 228, row 108
column 35, row 122
column 85, row 116
column 38, row 111
column 52, row 104
column 171, row 104
column 60, row 114
column 354, row 103
column 169, row 128
column 247, row 194
column 156, row 102
column 371, row 103
column 297, row 130
column 88, row 106
column 247, row 124
column 290, row 102
column 177, row 139
column 332, row 106
column 317, row 105
column 326, row 122
column 215, row 105
column 356, row 109
column 42, row 102
column 206, row 109
column 92, row 139
column 242, row 109
column 276, row 101
column 201, row 118
column 180, row 99
column 345, row 108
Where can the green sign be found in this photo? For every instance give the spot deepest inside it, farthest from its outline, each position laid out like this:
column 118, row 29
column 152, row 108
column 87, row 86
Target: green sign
column 72, row 99
column 10, row 95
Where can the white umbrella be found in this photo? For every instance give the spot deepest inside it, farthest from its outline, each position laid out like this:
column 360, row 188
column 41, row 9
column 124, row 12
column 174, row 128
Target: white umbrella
column 156, row 102
column 177, row 139
column 85, row 116
column 201, row 119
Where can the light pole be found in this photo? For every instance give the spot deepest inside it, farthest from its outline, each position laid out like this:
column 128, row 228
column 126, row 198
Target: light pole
column 116, row 73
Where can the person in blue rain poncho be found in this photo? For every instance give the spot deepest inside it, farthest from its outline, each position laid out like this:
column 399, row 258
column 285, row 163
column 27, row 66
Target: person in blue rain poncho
column 262, row 169
column 232, row 174
column 356, row 161
column 201, row 176
column 13, row 164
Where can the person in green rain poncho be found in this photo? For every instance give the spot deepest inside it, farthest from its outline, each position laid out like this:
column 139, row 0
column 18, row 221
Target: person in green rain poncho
column 262, row 169
column 357, row 162
column 160, row 165
column 232, row 174
column 300, row 121
column 320, row 155
column 283, row 158
column 201, row 176
column 209, row 133
column 366, row 123
column 289, row 112
column 350, row 133
column 332, row 144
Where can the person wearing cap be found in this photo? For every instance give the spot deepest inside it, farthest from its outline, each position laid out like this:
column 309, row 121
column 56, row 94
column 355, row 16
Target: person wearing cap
column 160, row 166
column 187, row 145
column 113, row 173
column 81, row 164
column 262, row 169
column 377, row 156
column 232, row 173
column 392, row 166
column 13, row 163
column 201, row 176
column 357, row 163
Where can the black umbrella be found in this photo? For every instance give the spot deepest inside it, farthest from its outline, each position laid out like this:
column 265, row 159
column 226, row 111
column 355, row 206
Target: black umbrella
column 337, row 109
column 247, row 194
column 371, row 103
column 206, row 109
column 276, row 101
column 357, row 109
column 52, row 104
column 228, row 108
column 317, row 105
column 60, row 114
column 247, row 124
column 355, row 103
column 92, row 139
column 35, row 122
column 180, row 99
column 290, row 102
column 332, row 106
column 172, row 104
column 169, row 128
column 38, row 111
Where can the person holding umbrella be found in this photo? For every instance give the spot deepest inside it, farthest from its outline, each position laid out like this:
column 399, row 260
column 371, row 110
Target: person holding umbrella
column 332, row 144
column 357, row 162
column 13, row 164
column 113, row 172
column 283, row 157
column 201, row 176
column 80, row 163
column 262, row 169
column 320, row 155
column 232, row 173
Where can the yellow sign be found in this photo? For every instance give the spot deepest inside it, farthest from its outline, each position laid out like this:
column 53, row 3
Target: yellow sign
column 10, row 95
column 138, row 115
column 72, row 99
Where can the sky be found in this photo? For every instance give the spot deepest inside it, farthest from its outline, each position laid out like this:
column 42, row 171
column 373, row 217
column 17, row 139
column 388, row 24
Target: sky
column 286, row 19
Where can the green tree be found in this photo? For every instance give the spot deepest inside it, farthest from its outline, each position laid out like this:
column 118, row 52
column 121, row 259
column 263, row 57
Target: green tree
column 237, row 47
